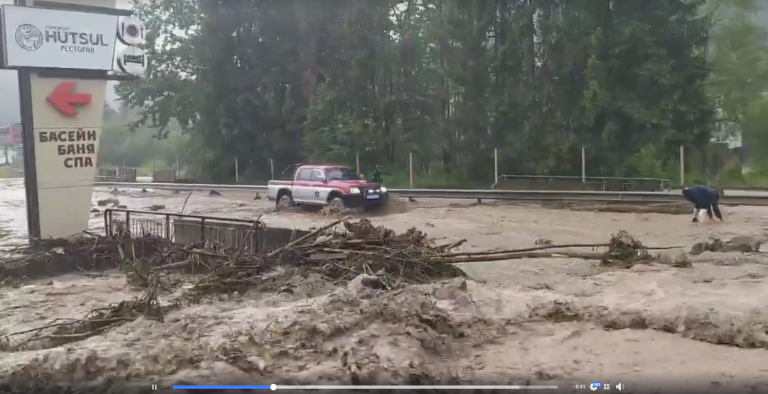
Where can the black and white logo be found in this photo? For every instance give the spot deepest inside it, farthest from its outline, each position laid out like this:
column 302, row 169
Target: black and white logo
column 29, row 37
column 132, row 60
column 130, row 30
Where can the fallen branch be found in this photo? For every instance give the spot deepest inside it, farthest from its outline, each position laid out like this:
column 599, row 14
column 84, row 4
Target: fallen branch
column 546, row 247
column 521, row 250
column 171, row 266
column 517, row 256
column 452, row 245
column 302, row 239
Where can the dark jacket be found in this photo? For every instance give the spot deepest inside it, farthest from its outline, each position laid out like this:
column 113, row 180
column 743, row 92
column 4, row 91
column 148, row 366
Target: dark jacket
column 378, row 176
column 701, row 196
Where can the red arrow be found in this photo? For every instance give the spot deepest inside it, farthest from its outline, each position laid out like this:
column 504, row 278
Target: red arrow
column 64, row 100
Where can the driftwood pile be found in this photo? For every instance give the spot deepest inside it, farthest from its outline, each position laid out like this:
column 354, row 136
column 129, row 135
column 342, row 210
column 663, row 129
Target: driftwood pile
column 362, row 248
column 85, row 253
column 338, row 252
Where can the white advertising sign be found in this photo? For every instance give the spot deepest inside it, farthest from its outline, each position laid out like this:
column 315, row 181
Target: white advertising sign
column 39, row 37
column 66, row 148
column 132, row 60
column 130, row 30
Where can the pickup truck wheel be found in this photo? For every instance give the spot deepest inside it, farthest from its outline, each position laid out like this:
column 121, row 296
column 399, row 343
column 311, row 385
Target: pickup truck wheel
column 285, row 202
column 337, row 203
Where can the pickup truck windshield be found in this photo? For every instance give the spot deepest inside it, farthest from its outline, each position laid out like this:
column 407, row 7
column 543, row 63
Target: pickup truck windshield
column 342, row 174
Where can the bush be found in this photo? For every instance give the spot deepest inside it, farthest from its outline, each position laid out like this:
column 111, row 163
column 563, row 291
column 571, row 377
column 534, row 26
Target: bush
column 435, row 180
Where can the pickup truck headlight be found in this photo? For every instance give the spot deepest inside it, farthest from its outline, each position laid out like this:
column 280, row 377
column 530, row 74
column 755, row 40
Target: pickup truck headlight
column 354, row 190
column 383, row 189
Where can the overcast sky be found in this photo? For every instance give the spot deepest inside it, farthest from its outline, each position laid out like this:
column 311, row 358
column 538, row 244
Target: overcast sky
column 9, row 110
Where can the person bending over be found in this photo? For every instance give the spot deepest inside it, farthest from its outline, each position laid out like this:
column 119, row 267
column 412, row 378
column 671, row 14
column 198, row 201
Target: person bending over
column 703, row 197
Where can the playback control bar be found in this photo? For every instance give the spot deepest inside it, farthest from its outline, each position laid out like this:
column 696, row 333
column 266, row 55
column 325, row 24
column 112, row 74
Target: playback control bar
column 274, row 387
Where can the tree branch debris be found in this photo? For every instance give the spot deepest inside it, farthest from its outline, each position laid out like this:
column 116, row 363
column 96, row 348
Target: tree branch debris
column 338, row 252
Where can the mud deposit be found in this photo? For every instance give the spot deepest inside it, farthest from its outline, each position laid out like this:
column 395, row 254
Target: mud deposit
column 445, row 333
column 558, row 321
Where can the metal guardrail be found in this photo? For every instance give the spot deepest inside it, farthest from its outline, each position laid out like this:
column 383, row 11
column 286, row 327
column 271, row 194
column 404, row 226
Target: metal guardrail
column 184, row 186
column 739, row 188
column 604, row 183
column 510, row 195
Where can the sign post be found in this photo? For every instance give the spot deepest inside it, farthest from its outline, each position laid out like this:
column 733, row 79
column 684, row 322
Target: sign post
column 64, row 52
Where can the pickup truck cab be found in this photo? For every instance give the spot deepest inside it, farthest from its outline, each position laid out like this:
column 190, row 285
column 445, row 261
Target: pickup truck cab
column 321, row 185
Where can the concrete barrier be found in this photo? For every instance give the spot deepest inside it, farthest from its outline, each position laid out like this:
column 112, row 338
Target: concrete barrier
column 233, row 235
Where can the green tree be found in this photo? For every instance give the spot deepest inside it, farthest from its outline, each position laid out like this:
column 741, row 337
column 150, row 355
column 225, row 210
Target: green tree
column 739, row 58
column 447, row 80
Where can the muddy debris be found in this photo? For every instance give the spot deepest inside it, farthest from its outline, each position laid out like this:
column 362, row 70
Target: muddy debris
column 741, row 244
column 394, row 205
column 365, row 281
column 625, row 250
column 333, row 210
column 338, row 252
column 395, row 310
column 675, row 257
column 63, row 331
column 85, row 253
column 108, row 201
column 614, row 207
column 622, row 251
column 337, row 255
column 396, row 337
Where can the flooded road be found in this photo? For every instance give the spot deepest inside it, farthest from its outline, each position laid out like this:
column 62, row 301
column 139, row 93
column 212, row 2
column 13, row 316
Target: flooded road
column 13, row 222
column 13, row 217
column 13, row 214
column 574, row 320
column 499, row 224
column 242, row 205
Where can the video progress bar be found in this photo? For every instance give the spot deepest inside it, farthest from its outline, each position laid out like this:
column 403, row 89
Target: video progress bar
column 284, row 387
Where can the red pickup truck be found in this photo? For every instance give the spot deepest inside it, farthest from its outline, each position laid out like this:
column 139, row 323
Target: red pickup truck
column 332, row 185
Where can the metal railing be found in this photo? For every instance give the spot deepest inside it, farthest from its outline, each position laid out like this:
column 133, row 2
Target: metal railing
column 117, row 174
column 478, row 194
column 562, row 182
column 186, row 228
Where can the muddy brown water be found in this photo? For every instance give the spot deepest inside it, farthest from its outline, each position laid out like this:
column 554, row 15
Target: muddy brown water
column 565, row 321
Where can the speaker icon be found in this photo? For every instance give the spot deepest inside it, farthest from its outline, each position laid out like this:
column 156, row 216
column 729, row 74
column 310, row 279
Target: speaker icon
column 619, row 386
